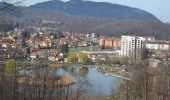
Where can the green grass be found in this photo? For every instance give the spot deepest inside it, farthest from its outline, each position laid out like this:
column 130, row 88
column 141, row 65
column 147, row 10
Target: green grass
column 89, row 48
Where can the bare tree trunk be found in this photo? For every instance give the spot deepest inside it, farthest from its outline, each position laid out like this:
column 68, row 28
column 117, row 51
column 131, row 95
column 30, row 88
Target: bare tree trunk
column 67, row 92
column 146, row 86
column 127, row 91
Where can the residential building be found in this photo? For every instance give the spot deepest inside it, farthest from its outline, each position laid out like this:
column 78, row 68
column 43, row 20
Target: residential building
column 102, row 42
column 48, row 42
column 117, row 42
column 106, row 42
column 132, row 47
column 109, row 43
column 93, row 35
column 157, row 45
column 148, row 38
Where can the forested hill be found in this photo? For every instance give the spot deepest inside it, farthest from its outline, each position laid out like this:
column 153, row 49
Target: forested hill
column 95, row 9
column 87, row 16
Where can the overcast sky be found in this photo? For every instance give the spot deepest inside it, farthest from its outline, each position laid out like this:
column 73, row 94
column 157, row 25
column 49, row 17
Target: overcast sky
column 159, row 8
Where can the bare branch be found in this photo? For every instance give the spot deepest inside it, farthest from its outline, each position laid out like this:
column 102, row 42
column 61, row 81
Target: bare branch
column 7, row 4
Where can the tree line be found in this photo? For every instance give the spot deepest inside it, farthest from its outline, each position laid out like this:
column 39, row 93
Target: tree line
column 147, row 83
column 39, row 86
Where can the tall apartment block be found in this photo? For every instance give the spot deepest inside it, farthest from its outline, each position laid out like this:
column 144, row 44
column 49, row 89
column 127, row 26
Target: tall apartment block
column 132, row 47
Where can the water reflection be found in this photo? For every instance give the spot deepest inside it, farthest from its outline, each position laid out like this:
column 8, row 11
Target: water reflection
column 95, row 83
column 77, row 71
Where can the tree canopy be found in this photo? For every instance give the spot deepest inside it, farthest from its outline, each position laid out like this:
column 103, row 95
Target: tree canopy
column 10, row 67
column 72, row 57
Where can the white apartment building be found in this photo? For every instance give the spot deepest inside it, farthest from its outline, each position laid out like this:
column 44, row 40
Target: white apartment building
column 132, row 46
column 157, row 45
column 148, row 38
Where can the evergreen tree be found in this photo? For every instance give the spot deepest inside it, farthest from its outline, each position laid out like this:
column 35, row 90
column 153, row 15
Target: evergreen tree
column 64, row 48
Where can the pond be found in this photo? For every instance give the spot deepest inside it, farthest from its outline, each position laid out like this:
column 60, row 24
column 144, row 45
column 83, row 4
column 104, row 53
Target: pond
column 97, row 84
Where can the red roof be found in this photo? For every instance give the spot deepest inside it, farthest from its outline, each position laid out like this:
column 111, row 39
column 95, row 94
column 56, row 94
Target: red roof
column 148, row 37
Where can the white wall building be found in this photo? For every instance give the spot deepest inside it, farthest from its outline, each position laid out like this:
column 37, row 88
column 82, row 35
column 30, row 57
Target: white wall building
column 157, row 45
column 148, row 38
column 132, row 47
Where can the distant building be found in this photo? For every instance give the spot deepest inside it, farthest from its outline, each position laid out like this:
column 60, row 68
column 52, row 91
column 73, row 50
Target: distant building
column 93, row 35
column 157, row 45
column 108, row 43
column 148, row 38
column 47, row 42
column 102, row 42
column 117, row 42
column 105, row 42
column 132, row 47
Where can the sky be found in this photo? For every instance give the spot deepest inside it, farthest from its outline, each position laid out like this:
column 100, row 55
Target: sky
column 159, row 8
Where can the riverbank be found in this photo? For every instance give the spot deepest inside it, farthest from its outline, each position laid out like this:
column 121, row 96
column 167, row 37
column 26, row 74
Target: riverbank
column 47, row 80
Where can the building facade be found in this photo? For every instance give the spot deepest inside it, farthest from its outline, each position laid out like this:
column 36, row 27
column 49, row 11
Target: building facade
column 109, row 43
column 132, row 47
column 148, row 38
column 157, row 45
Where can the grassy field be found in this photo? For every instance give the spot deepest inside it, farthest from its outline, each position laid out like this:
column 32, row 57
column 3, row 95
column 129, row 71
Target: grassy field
column 89, row 48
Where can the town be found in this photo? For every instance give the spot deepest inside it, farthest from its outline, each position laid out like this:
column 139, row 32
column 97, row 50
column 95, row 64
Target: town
column 51, row 45
column 111, row 57
column 84, row 50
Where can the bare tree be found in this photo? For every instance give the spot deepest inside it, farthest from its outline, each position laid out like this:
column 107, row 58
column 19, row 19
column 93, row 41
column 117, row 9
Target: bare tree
column 9, row 4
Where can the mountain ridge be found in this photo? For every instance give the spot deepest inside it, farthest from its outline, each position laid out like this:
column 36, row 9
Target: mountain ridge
column 95, row 9
column 36, row 16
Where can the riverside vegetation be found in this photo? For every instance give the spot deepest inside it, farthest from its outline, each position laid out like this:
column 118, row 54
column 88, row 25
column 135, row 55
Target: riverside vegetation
column 147, row 84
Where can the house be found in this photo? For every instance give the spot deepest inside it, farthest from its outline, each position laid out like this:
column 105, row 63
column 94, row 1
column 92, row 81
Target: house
column 38, row 55
column 48, row 42
column 52, row 55
column 93, row 56
column 34, row 55
column 60, row 57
